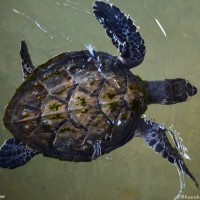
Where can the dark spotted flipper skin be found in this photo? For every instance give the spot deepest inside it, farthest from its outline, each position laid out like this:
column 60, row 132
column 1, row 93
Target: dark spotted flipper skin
column 27, row 66
column 169, row 91
column 123, row 32
column 14, row 153
column 155, row 137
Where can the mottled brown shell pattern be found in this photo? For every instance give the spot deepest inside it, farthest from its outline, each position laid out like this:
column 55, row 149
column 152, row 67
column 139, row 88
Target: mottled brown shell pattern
column 76, row 106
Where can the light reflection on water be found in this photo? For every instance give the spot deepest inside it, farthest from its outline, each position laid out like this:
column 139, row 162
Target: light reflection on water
column 133, row 171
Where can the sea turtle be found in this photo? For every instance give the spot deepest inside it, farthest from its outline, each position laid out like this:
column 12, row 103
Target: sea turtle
column 80, row 105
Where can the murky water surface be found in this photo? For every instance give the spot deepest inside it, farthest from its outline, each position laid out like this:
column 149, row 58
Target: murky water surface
column 171, row 32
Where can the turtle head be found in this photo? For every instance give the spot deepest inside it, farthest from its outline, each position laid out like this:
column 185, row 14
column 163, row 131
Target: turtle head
column 169, row 91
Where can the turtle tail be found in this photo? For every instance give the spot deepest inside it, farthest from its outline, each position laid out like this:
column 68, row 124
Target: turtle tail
column 169, row 91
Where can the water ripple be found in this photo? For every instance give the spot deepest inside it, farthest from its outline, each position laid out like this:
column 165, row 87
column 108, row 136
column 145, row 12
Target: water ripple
column 41, row 27
column 161, row 28
column 74, row 5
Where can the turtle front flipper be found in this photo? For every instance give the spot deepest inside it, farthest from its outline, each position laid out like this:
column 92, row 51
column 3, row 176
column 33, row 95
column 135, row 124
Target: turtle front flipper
column 27, row 66
column 155, row 137
column 14, row 153
column 123, row 32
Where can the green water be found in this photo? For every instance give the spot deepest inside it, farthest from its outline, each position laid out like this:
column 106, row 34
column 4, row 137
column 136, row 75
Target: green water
column 132, row 171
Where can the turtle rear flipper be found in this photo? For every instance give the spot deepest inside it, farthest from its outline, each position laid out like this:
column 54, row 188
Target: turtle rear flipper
column 27, row 66
column 122, row 31
column 155, row 137
column 14, row 153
